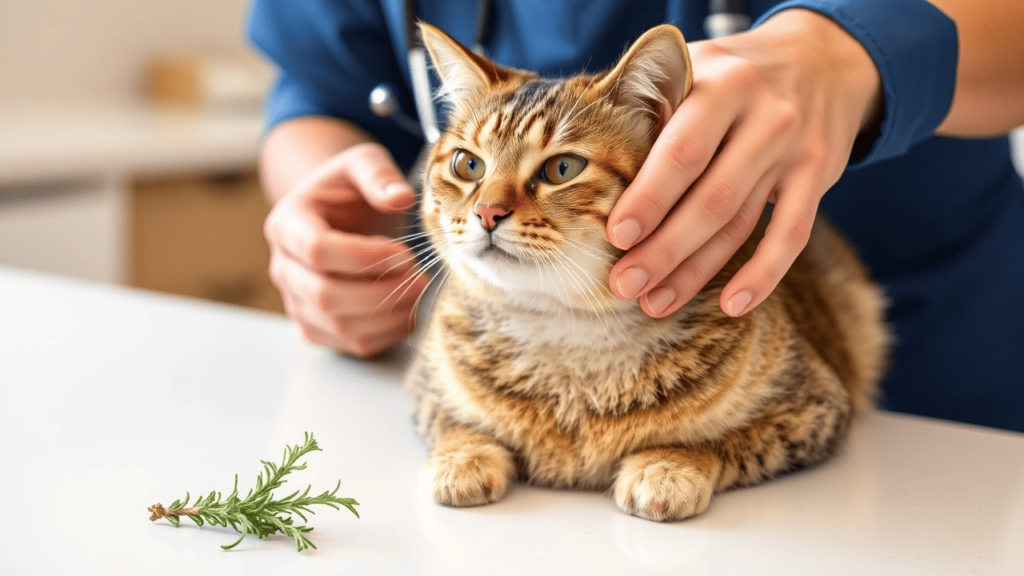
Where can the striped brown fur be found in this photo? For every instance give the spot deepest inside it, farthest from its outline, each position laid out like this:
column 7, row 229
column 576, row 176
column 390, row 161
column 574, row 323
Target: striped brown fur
column 532, row 369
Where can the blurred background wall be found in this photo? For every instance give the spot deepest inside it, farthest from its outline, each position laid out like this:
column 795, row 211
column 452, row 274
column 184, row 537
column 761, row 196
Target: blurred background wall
column 128, row 138
column 95, row 49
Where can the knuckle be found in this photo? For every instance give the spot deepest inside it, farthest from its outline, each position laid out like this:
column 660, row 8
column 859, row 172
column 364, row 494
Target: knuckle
column 317, row 253
column 369, row 155
column 816, row 153
column 652, row 204
column 275, row 272
column 343, row 327
column 786, row 115
column 362, row 348
column 797, row 233
column 322, row 296
column 707, row 50
column 665, row 257
column 773, row 273
column 742, row 74
column 309, row 334
column 742, row 224
column 717, row 204
column 270, row 226
column 689, row 278
column 366, row 151
column 290, row 308
column 687, row 153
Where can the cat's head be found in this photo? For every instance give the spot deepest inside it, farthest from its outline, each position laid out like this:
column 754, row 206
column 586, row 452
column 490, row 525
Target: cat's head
column 518, row 189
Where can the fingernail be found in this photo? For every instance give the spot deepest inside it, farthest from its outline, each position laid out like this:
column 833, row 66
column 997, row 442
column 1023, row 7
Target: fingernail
column 626, row 233
column 660, row 298
column 738, row 303
column 631, row 282
column 395, row 190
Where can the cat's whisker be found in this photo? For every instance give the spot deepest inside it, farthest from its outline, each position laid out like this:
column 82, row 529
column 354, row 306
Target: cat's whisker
column 583, row 290
column 568, row 299
column 588, row 251
column 591, row 281
column 416, row 255
column 564, row 125
column 577, row 103
column 419, row 234
column 408, row 281
column 410, row 284
column 596, row 281
column 383, row 260
column 598, row 309
column 416, row 304
column 576, row 281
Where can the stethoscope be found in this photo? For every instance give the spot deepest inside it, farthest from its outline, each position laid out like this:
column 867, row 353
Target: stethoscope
column 725, row 17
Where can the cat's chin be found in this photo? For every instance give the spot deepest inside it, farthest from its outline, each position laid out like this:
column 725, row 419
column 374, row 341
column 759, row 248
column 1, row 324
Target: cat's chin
column 496, row 254
column 538, row 286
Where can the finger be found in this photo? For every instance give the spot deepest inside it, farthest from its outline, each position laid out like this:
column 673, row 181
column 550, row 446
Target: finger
column 300, row 231
column 680, row 154
column 785, row 237
column 347, row 296
column 363, row 346
column 375, row 344
column 696, row 271
column 371, row 170
column 708, row 207
column 344, row 331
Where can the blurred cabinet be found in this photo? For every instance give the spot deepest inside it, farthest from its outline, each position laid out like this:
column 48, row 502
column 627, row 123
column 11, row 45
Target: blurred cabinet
column 74, row 227
column 202, row 236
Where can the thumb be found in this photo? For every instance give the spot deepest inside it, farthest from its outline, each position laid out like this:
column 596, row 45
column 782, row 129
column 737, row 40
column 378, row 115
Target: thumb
column 373, row 172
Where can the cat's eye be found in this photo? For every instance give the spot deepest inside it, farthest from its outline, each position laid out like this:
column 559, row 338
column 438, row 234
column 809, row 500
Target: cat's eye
column 467, row 166
column 562, row 168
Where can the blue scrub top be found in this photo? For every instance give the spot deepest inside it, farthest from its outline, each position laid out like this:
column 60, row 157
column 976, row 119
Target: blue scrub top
column 939, row 221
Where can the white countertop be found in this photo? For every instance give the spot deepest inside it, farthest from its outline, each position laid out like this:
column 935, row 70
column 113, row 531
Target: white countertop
column 112, row 400
column 49, row 141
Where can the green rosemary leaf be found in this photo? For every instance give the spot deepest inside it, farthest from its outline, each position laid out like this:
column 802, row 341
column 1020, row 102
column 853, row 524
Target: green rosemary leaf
column 235, row 543
column 259, row 513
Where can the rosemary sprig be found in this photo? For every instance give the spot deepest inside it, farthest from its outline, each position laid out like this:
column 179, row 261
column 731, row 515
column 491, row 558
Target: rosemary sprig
column 259, row 513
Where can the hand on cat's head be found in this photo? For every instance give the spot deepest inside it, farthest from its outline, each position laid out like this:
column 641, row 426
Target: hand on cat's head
column 773, row 116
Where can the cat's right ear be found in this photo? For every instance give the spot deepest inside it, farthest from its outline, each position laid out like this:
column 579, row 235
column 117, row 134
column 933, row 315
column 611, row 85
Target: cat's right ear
column 464, row 73
column 653, row 76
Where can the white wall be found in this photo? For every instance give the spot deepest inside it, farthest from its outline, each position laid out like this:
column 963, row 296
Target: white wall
column 94, row 49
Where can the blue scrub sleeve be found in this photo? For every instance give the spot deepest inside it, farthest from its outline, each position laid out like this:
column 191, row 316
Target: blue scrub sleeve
column 915, row 47
column 330, row 55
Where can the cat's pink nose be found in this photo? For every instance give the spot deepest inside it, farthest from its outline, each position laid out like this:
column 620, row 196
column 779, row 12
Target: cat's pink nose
column 490, row 214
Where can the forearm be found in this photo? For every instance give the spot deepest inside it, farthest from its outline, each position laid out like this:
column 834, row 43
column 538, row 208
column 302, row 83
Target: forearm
column 294, row 148
column 989, row 97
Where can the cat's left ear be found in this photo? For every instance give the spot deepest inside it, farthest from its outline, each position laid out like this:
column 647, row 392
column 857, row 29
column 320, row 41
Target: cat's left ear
column 464, row 73
column 653, row 76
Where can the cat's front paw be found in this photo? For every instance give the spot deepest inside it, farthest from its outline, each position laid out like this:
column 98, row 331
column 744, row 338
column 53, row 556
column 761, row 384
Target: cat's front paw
column 663, row 485
column 470, row 475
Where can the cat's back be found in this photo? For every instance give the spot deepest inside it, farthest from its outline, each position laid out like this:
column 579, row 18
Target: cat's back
column 833, row 304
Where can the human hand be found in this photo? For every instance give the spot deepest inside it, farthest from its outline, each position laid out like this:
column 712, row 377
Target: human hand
column 772, row 117
column 344, row 284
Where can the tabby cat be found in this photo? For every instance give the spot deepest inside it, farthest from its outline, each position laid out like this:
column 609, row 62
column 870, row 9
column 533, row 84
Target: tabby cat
column 532, row 369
